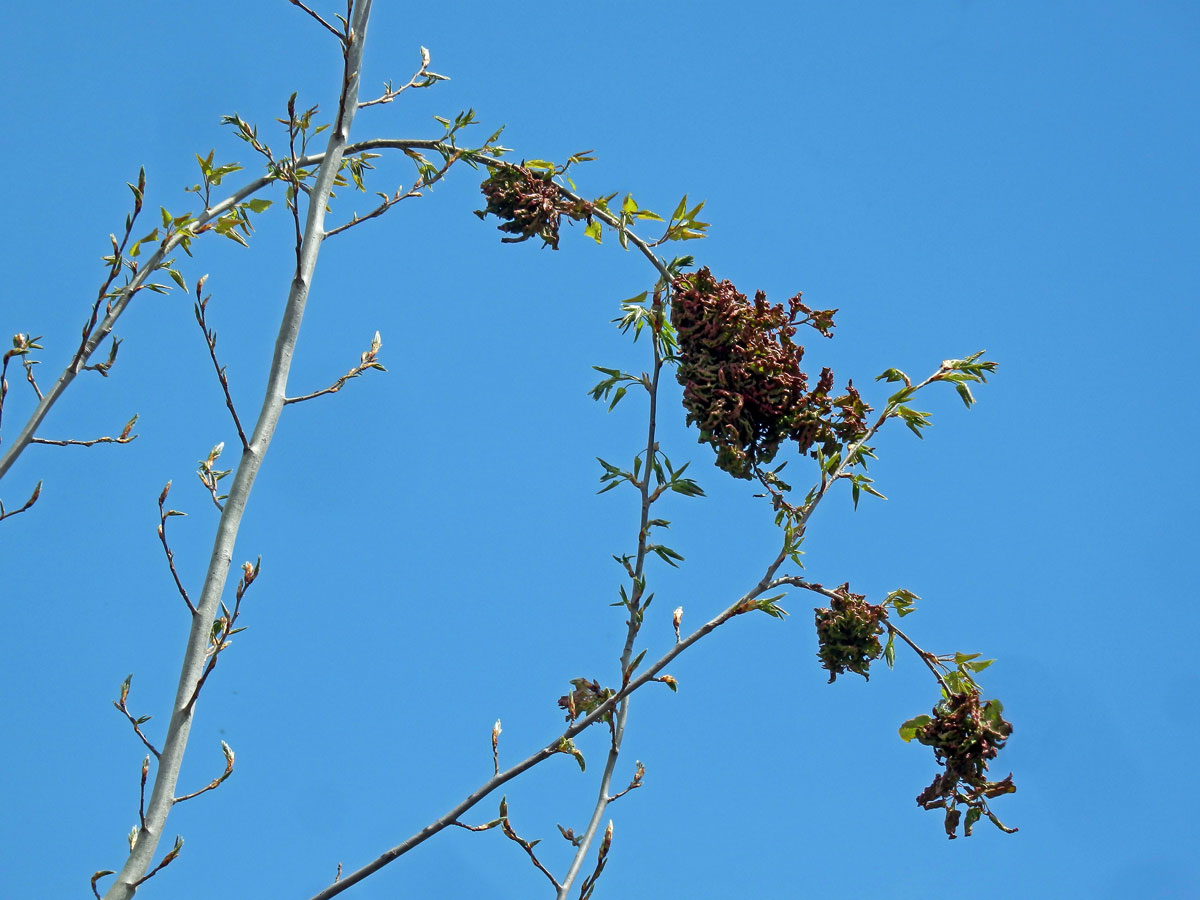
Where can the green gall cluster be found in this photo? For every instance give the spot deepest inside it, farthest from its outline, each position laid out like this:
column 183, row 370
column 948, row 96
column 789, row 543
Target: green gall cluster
column 848, row 634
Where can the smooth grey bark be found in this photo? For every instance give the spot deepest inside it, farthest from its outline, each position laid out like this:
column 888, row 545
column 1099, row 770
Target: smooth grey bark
column 163, row 795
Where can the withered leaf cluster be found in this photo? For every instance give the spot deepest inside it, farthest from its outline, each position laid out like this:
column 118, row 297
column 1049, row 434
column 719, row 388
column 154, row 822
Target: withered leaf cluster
column 965, row 734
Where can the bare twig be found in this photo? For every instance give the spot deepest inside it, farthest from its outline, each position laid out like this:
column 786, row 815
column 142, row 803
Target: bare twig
column 634, row 784
column 33, row 498
column 210, row 339
column 166, row 861
column 224, row 628
column 123, row 438
column 142, row 791
column 527, row 846
column 163, row 515
column 96, row 877
column 926, row 657
column 138, row 722
column 337, row 34
column 30, row 363
column 366, row 361
column 423, row 78
column 216, row 782
column 496, row 747
column 589, row 883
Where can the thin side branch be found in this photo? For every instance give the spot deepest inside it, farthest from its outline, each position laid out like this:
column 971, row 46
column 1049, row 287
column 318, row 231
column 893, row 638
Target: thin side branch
column 137, row 722
column 163, row 515
column 337, row 34
column 210, row 339
column 365, row 362
column 123, row 438
column 423, row 78
column 33, row 498
column 216, row 782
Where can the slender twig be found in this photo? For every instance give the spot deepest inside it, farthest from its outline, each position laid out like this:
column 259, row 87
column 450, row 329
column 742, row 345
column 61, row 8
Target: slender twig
column 123, row 438
column 29, row 364
column 163, row 515
column 422, row 78
column 210, row 339
column 37, row 492
column 926, row 657
column 389, row 202
column 166, row 861
column 142, row 797
column 225, row 627
column 496, row 747
column 634, row 784
column 486, row 826
column 511, row 834
column 638, row 584
column 366, row 361
column 216, row 782
column 135, row 722
column 193, row 666
column 337, row 34
column 589, row 883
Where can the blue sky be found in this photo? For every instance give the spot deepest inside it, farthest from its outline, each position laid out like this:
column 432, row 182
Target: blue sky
column 951, row 175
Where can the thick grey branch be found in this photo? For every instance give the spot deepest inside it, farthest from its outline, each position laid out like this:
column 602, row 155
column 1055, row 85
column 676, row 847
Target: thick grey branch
column 163, row 794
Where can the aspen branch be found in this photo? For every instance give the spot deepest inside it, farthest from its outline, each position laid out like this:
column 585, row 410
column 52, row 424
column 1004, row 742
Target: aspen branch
column 193, row 668
column 104, row 327
column 745, row 604
column 634, row 607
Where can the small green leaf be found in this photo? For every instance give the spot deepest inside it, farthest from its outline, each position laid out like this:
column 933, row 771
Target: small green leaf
column 909, row 729
column 594, row 230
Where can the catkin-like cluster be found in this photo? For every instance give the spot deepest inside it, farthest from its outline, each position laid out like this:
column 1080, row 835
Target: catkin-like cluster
column 848, row 634
column 530, row 203
column 964, row 734
column 742, row 382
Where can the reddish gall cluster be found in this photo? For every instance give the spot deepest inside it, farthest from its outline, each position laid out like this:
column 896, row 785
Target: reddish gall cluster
column 742, row 383
column 530, row 203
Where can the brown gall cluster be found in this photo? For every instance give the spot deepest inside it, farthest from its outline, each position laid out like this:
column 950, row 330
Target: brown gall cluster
column 742, row 382
column 530, row 204
column 965, row 734
column 848, row 634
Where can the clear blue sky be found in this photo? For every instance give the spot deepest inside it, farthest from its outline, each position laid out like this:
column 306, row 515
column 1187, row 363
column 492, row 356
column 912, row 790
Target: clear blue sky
column 1018, row 176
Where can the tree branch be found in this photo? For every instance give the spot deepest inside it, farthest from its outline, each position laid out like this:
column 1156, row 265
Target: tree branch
column 192, row 670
